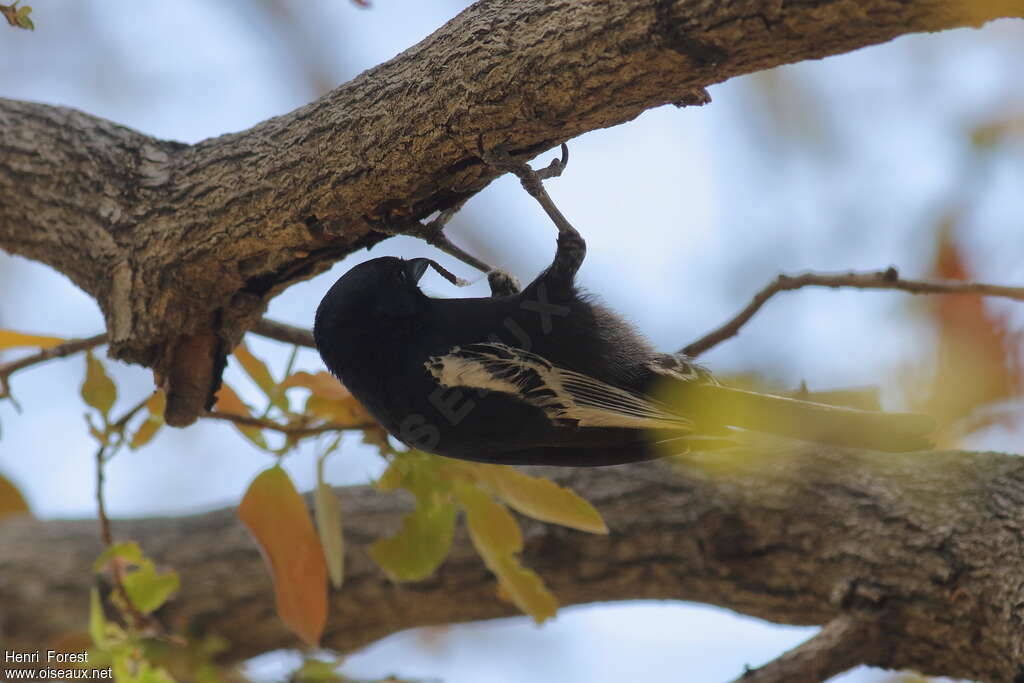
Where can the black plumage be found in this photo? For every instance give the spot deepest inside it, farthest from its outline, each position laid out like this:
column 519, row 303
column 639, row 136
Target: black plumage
column 547, row 376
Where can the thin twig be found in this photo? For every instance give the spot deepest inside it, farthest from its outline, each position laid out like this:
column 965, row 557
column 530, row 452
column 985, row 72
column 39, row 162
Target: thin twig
column 532, row 181
column 105, row 533
column 59, row 351
column 842, row 644
column 291, row 430
column 116, row 429
column 433, row 234
column 283, row 332
column 883, row 279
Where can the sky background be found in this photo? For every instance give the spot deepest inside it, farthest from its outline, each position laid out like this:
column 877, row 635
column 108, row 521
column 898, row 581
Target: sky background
column 844, row 163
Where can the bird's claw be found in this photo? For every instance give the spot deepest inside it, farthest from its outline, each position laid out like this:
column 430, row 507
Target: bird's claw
column 502, row 283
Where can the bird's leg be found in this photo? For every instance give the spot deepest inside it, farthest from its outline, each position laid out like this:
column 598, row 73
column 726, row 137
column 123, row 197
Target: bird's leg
column 571, row 247
column 502, row 283
column 432, row 232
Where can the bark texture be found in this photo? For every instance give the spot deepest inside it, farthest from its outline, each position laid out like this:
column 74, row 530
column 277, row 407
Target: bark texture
column 183, row 245
column 918, row 554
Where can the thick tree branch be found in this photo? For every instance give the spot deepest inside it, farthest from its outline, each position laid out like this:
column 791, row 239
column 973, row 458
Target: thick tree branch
column 183, row 245
column 925, row 546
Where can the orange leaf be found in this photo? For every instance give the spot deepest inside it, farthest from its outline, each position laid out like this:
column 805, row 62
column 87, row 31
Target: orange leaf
column 228, row 402
column 977, row 362
column 11, row 501
column 277, row 517
column 10, row 339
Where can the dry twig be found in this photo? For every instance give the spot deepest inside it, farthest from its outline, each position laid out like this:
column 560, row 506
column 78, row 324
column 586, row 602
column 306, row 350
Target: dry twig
column 289, row 430
column 883, row 279
column 116, row 428
column 68, row 348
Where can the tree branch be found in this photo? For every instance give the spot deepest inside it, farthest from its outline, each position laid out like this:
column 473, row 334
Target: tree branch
column 882, row 279
column 300, row 429
column 844, row 642
column 183, row 245
column 68, row 348
column 927, row 546
column 289, row 334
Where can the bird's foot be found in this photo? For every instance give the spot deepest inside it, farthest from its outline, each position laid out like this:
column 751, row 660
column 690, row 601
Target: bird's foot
column 502, row 283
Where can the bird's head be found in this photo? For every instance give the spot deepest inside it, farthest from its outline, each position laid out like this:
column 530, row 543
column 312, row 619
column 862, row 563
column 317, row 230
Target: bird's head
column 382, row 288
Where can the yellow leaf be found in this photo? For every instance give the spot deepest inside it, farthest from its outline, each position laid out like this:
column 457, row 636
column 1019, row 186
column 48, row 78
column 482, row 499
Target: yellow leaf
column 392, row 477
column 10, row 339
column 257, row 370
column 494, row 530
column 156, row 404
column 328, row 525
column 277, row 517
column 346, row 411
column 540, row 498
column 148, row 429
column 11, row 501
column 98, row 390
column 525, row 589
column 144, row 434
column 496, row 536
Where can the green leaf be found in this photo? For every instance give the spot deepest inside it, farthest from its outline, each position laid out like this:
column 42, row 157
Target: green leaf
column 130, row 667
column 23, row 19
column 420, row 546
column 97, row 620
column 149, row 589
column 128, row 551
column 328, row 524
column 98, row 389
column 318, row 671
column 541, row 498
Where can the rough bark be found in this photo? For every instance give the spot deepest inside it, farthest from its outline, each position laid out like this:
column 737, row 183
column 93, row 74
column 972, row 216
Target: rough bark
column 922, row 549
column 183, row 245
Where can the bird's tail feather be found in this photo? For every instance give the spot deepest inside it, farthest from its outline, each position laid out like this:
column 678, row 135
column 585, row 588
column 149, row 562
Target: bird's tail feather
column 716, row 405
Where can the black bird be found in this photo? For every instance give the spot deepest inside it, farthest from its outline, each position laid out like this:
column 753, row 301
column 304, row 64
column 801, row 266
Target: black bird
column 548, row 376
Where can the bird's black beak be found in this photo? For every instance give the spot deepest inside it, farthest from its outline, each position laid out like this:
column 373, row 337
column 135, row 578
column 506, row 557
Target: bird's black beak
column 415, row 268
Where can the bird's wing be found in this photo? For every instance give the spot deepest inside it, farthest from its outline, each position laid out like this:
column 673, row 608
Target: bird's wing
column 564, row 395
